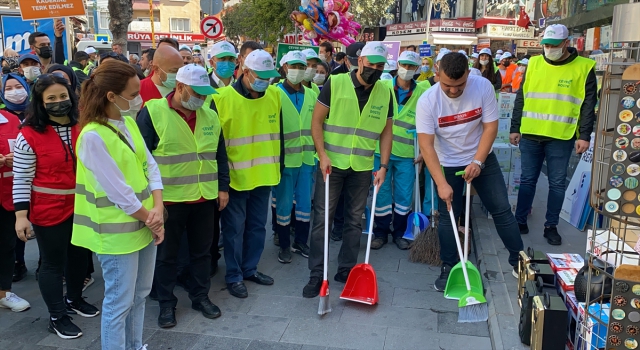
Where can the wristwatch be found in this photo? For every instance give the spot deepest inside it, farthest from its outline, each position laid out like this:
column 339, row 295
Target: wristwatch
column 386, row 166
column 479, row 163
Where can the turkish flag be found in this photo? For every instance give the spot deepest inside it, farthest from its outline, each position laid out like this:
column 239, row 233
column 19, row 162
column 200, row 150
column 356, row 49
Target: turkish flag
column 524, row 19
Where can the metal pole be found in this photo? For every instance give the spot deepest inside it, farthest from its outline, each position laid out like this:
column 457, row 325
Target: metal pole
column 429, row 19
column 153, row 27
column 295, row 32
column 70, row 37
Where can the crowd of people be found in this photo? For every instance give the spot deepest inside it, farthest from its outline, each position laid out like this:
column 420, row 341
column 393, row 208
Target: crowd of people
column 150, row 161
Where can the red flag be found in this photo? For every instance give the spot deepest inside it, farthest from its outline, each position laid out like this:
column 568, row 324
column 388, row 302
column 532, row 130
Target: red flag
column 524, row 19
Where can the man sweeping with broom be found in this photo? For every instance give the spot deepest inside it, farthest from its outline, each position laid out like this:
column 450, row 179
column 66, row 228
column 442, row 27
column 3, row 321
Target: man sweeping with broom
column 457, row 123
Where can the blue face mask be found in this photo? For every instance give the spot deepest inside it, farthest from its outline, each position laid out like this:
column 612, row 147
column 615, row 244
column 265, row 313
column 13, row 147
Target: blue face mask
column 259, row 85
column 224, row 69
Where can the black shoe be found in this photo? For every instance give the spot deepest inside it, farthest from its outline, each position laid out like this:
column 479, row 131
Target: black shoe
column 300, row 248
column 441, row 282
column 312, row 289
column 208, row 309
column 167, row 317
column 378, row 243
column 524, row 229
column 81, row 307
column 260, row 278
column 276, row 240
column 342, row 276
column 238, row 289
column 402, row 243
column 214, row 269
column 336, row 236
column 552, row 235
column 284, row 255
column 64, row 328
column 19, row 272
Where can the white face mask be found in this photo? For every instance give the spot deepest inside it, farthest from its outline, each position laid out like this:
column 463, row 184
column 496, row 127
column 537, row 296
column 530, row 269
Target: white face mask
column 554, row 53
column 309, row 73
column 406, row 74
column 322, row 57
column 134, row 106
column 521, row 69
column 16, row 96
column 31, row 73
column 484, row 62
column 319, row 78
column 295, row 76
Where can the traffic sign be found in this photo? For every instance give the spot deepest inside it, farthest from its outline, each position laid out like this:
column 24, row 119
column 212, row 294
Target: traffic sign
column 425, row 50
column 211, row 27
column 102, row 37
column 30, row 9
column 284, row 48
column 211, row 7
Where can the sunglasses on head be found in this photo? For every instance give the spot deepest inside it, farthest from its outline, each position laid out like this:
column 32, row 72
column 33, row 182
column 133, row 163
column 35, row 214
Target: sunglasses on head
column 51, row 75
column 108, row 54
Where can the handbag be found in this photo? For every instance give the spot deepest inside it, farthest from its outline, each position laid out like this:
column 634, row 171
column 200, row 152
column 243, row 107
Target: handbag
column 165, row 213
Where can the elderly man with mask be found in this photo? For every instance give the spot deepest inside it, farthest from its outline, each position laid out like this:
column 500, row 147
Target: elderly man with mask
column 184, row 135
column 223, row 61
column 166, row 63
column 250, row 117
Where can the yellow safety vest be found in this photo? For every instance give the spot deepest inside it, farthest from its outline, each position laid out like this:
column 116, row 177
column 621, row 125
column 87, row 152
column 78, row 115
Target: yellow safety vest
column 404, row 120
column 186, row 159
column 315, row 88
column 98, row 224
column 350, row 142
column 553, row 96
column 298, row 143
column 251, row 128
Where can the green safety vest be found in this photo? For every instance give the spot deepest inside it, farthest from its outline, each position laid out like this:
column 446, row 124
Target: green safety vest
column 98, row 224
column 350, row 142
column 315, row 88
column 251, row 128
column 404, row 120
column 186, row 159
column 298, row 143
column 88, row 68
column 553, row 96
column 76, row 69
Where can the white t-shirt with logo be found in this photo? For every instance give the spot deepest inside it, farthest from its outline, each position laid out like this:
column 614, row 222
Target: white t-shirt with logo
column 457, row 122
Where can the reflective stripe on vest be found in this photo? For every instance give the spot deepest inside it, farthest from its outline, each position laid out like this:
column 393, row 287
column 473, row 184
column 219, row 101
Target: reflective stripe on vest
column 186, row 159
column 52, row 190
column 7, row 174
column 251, row 128
column 98, row 224
column 553, row 97
column 350, row 142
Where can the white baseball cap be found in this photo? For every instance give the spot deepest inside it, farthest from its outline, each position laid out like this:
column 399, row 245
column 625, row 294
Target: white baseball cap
column 293, row 57
column 498, row 57
column 410, row 57
column 555, row 34
column 261, row 62
column 390, row 65
column 441, row 54
column 375, row 52
column 475, row 55
column 485, row 51
column 499, row 52
column 185, row 47
column 524, row 61
column 506, row 55
column 196, row 77
column 197, row 47
column 311, row 54
column 386, row 76
column 463, row 52
column 222, row 49
column 90, row 50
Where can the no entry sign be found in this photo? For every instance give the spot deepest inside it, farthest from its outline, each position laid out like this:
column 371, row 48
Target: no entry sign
column 211, row 27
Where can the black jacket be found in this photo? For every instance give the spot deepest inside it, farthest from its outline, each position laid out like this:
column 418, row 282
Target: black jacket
column 587, row 110
column 80, row 76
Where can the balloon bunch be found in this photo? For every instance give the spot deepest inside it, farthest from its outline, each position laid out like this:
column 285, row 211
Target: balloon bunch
column 326, row 19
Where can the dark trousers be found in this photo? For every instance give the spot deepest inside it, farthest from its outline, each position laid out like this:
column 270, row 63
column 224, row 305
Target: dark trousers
column 354, row 185
column 492, row 191
column 194, row 220
column 183, row 253
column 7, row 247
column 244, row 223
column 56, row 252
column 20, row 246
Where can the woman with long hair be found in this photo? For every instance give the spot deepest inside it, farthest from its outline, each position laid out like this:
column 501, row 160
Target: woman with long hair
column 322, row 72
column 43, row 194
column 118, row 205
column 488, row 69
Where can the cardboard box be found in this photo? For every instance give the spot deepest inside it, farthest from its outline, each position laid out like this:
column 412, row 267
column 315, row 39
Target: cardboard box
column 631, row 232
column 505, row 178
column 515, row 160
column 565, row 261
column 593, row 333
column 572, row 304
column 503, row 154
column 514, row 183
column 506, row 102
column 504, row 129
column 609, row 247
column 566, row 279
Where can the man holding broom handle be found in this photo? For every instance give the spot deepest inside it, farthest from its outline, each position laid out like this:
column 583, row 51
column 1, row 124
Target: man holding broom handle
column 457, row 122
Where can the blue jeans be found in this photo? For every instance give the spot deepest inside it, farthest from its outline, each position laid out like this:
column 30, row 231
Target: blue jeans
column 243, row 226
column 557, row 154
column 295, row 186
column 127, row 282
column 426, row 203
column 493, row 193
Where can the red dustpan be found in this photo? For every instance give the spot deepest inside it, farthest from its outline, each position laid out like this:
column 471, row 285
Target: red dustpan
column 362, row 284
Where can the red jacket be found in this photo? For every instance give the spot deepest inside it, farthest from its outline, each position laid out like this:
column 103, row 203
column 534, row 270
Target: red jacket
column 149, row 90
column 53, row 188
column 8, row 133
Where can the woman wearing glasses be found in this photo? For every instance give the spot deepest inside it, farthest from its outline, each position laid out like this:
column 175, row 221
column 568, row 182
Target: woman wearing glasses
column 119, row 209
column 43, row 187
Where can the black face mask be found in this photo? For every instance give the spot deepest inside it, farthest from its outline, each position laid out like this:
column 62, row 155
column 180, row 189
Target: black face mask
column 370, row 75
column 45, row 52
column 506, row 64
column 58, row 109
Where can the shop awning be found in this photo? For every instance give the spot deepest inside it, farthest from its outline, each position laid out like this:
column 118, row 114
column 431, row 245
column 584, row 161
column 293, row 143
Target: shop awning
column 453, row 39
column 406, row 40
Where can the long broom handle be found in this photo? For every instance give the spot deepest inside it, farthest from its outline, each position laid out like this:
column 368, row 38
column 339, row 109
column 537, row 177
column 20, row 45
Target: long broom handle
column 463, row 263
column 326, row 227
column 433, row 210
column 466, row 222
column 416, row 186
column 373, row 213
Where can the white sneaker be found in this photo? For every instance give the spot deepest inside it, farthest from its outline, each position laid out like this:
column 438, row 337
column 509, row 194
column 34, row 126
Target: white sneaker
column 14, row 302
column 144, row 347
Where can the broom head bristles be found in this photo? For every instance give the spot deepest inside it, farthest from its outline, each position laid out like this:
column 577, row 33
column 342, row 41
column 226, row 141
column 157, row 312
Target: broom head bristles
column 475, row 311
column 425, row 248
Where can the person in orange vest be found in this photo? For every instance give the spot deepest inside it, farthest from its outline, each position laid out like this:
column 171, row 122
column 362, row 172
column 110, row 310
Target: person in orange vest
column 44, row 185
column 506, row 70
column 9, row 124
column 518, row 74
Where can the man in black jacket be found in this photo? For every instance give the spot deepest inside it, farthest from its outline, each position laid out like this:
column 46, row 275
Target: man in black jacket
column 554, row 113
column 79, row 62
